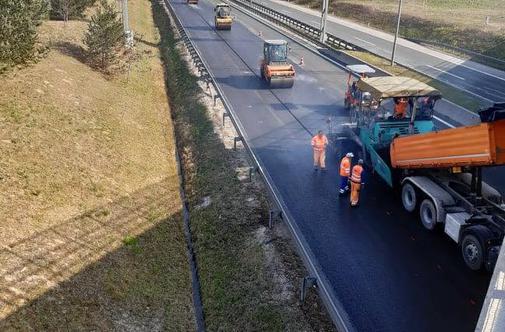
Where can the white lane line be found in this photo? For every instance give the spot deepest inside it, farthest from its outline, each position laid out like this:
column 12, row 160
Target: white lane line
column 445, row 72
column 444, row 122
column 365, row 41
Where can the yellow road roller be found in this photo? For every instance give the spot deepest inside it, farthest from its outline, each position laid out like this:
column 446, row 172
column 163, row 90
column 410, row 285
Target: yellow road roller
column 223, row 19
column 275, row 68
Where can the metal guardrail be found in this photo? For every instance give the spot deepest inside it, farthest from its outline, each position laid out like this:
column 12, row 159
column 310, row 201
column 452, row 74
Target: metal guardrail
column 307, row 30
column 323, row 285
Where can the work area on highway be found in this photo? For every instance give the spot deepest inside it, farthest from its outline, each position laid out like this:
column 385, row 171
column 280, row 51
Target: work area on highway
column 378, row 265
column 249, row 165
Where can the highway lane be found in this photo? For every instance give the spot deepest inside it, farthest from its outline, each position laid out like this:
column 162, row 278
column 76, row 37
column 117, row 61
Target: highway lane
column 481, row 81
column 387, row 271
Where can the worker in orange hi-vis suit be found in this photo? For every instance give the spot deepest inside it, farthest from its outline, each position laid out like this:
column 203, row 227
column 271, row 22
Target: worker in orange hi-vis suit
column 357, row 181
column 345, row 173
column 319, row 143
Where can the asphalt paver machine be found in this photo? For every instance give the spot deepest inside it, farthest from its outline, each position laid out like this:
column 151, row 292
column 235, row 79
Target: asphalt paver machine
column 275, row 68
column 438, row 173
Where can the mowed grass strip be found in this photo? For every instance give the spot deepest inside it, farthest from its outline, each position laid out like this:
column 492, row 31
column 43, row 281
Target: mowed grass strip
column 92, row 235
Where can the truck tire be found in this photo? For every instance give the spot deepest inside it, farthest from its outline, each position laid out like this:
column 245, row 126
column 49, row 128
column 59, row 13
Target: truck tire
column 472, row 251
column 409, row 197
column 428, row 214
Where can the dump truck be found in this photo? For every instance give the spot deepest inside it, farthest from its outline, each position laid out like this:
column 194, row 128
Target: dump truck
column 438, row 173
column 275, row 68
column 222, row 19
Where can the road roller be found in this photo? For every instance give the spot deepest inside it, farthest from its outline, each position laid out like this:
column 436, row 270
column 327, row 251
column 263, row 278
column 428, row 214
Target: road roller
column 223, row 18
column 275, row 68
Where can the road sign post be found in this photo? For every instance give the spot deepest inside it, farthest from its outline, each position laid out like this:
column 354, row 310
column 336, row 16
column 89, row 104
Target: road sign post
column 396, row 33
column 324, row 14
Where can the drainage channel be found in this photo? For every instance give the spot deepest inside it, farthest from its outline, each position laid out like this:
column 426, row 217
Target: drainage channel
column 195, row 279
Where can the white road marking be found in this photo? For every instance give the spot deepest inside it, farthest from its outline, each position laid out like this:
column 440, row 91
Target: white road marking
column 445, row 72
column 444, row 122
column 364, row 41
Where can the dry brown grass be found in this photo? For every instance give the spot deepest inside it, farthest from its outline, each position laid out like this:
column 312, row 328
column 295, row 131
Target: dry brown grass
column 88, row 160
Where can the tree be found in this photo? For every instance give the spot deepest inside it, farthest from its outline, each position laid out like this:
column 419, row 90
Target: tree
column 18, row 29
column 105, row 35
column 67, row 9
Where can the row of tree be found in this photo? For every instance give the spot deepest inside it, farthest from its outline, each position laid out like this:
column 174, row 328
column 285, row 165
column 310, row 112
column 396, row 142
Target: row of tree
column 19, row 20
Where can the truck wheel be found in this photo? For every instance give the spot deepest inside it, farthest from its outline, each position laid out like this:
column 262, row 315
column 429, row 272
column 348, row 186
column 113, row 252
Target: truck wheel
column 428, row 214
column 409, row 197
column 472, row 251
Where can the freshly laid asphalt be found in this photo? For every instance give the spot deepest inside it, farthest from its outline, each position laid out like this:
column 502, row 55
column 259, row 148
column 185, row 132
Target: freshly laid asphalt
column 386, row 270
column 480, row 80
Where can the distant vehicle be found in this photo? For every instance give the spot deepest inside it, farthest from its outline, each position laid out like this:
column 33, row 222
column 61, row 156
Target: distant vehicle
column 223, row 19
column 439, row 171
column 192, row 2
column 350, row 95
column 275, row 68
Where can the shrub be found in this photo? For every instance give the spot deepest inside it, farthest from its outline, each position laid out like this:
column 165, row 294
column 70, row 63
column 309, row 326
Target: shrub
column 104, row 37
column 18, row 30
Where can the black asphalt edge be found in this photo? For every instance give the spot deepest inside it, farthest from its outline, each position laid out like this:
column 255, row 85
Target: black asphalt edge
column 195, row 279
column 335, row 309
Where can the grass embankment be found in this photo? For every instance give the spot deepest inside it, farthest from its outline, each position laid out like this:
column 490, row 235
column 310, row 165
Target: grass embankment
column 244, row 287
column 457, row 23
column 91, row 226
column 448, row 92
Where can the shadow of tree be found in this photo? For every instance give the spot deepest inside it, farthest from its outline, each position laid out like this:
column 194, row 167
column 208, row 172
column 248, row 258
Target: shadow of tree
column 83, row 275
column 71, row 49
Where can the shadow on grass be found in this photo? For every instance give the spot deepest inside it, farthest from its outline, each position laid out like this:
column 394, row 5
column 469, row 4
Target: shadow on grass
column 122, row 266
column 73, row 50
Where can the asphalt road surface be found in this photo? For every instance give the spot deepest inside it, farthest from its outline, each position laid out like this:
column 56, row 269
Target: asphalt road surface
column 482, row 81
column 387, row 271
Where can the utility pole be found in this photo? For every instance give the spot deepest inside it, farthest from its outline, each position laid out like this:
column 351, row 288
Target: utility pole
column 397, row 31
column 324, row 14
column 126, row 26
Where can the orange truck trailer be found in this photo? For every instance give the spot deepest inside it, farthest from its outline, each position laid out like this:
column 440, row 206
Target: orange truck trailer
column 440, row 173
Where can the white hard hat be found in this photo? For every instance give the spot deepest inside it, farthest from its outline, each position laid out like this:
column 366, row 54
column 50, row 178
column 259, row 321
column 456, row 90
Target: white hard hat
column 350, row 155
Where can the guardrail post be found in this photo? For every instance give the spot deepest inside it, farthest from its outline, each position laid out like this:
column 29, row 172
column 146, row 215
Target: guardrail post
column 235, row 140
column 251, row 171
column 307, row 283
column 225, row 114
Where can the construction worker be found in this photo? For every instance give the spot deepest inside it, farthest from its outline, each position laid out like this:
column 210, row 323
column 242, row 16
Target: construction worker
column 345, row 172
column 400, row 110
column 357, row 181
column 319, row 143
